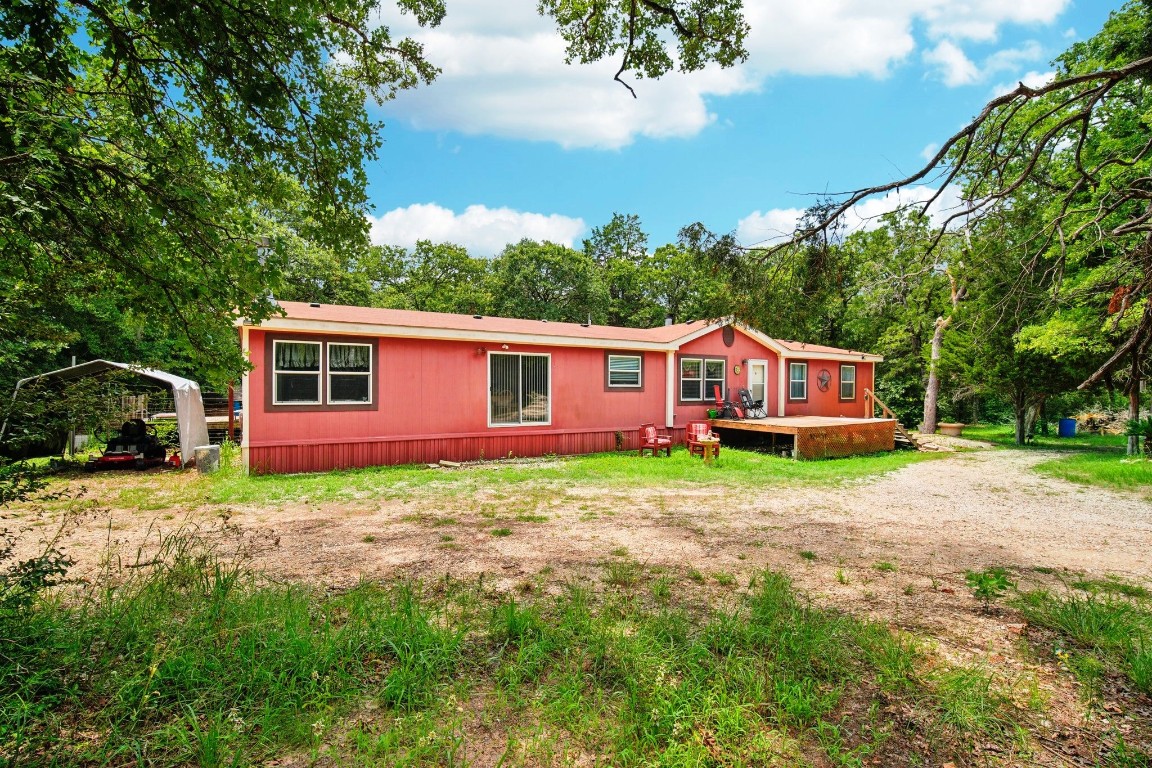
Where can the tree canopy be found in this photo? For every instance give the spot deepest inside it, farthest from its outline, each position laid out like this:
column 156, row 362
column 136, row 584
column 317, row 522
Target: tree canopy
column 165, row 161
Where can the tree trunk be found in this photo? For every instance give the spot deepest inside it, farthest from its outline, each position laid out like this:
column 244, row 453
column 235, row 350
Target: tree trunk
column 1020, row 407
column 1134, row 400
column 932, row 391
column 1031, row 414
column 1134, row 413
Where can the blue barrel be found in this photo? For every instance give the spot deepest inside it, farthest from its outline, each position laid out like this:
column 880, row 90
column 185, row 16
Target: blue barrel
column 1067, row 428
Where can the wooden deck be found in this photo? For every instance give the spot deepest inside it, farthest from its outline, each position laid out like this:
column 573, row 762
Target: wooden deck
column 811, row 437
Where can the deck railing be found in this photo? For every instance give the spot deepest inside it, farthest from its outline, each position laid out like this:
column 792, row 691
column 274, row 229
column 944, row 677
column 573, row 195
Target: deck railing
column 870, row 403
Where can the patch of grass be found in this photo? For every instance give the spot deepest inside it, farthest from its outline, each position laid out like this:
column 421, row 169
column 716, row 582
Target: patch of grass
column 724, row 579
column 1099, row 632
column 884, row 566
column 196, row 661
column 807, row 554
column 696, row 576
column 501, row 531
column 1111, row 585
column 368, row 538
column 662, row 589
column 970, row 702
column 610, row 470
column 622, row 573
column 1104, row 470
column 1004, row 435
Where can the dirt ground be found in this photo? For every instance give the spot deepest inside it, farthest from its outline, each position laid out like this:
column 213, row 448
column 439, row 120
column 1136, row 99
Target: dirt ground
column 894, row 547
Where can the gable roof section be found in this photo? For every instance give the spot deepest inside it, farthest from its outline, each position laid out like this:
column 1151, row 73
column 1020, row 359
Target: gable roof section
column 802, row 350
column 372, row 321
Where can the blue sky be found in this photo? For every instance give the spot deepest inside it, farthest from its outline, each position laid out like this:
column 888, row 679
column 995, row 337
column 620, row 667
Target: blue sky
column 510, row 142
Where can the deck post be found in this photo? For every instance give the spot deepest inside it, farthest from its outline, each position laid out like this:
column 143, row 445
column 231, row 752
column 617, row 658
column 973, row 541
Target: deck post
column 670, row 391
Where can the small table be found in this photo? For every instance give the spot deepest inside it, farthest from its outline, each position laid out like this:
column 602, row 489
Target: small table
column 711, row 446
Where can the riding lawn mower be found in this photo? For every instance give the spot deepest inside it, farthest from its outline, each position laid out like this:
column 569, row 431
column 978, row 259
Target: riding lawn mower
column 134, row 448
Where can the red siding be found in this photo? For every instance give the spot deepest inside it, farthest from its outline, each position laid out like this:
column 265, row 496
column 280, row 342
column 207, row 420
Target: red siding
column 313, row 457
column 828, row 403
column 743, row 348
column 432, row 403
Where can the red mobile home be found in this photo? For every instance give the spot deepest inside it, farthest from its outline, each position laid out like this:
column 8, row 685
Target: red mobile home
column 336, row 386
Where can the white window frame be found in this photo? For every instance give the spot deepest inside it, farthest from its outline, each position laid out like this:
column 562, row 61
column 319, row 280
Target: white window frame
column 318, row 374
column 705, row 394
column 793, row 366
column 328, row 368
column 845, row 367
column 639, row 371
column 488, row 399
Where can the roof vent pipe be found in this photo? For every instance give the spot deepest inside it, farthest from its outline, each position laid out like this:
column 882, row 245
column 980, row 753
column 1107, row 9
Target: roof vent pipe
column 668, row 319
column 315, row 304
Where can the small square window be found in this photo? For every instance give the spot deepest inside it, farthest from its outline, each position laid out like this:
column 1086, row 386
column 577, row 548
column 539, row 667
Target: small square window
column 624, row 371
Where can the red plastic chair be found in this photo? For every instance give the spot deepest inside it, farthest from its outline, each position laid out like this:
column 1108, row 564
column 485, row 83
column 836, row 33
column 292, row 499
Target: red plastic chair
column 696, row 430
column 726, row 409
column 651, row 440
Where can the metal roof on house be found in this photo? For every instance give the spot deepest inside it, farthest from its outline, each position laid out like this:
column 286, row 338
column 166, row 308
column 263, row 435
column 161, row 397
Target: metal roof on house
column 302, row 316
column 407, row 318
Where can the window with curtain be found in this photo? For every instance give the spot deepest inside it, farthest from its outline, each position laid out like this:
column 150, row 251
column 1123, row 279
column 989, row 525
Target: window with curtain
column 847, row 382
column 519, row 389
column 296, row 372
column 798, row 381
column 349, row 373
column 624, row 371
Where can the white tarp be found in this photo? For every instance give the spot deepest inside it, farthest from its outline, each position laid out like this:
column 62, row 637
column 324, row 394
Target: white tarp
column 185, row 395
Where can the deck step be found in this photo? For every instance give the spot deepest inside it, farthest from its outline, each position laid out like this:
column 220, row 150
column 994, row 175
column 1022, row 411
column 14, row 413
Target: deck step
column 905, row 439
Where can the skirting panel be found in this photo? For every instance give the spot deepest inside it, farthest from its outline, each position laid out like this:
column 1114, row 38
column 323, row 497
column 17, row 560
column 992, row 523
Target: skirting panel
column 845, row 440
column 279, row 459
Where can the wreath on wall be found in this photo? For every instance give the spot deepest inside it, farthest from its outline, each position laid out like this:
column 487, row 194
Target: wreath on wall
column 823, row 379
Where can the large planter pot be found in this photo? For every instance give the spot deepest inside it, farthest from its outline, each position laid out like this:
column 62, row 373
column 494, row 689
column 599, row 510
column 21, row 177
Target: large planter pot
column 950, row 428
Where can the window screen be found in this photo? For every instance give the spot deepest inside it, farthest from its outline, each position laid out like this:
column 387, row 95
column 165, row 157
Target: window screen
column 296, row 371
column 349, row 373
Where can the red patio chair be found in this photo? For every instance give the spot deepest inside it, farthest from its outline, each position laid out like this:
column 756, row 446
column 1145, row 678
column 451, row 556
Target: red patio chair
column 696, row 430
column 726, row 409
column 651, row 440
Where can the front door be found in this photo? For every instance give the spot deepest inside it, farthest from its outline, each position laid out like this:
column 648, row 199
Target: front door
column 758, row 380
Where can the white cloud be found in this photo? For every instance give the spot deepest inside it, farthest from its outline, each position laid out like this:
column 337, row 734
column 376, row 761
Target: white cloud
column 483, row 231
column 929, row 151
column 504, row 72
column 954, row 66
column 774, row 225
column 768, row 227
